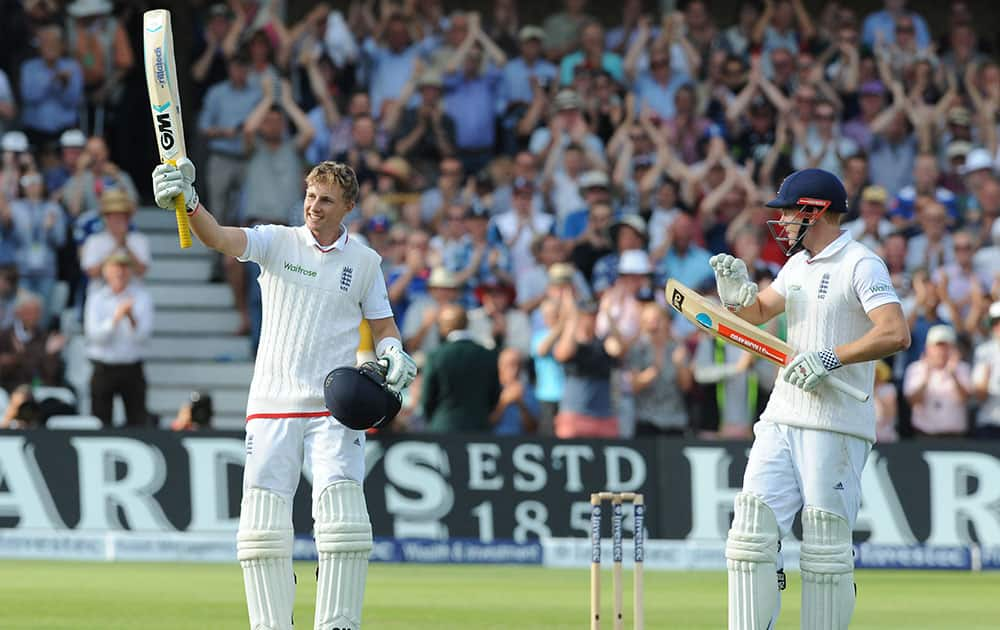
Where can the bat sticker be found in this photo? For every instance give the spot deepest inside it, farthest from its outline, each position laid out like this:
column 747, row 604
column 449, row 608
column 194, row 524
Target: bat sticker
column 704, row 319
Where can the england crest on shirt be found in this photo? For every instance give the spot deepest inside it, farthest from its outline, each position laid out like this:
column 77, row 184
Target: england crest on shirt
column 345, row 278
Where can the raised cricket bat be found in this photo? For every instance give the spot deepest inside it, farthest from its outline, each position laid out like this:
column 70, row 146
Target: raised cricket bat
column 714, row 318
column 165, row 101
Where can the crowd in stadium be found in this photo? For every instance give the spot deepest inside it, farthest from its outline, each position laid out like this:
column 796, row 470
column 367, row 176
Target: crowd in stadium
column 530, row 187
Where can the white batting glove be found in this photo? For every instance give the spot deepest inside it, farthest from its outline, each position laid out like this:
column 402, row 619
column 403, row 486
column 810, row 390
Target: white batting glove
column 733, row 282
column 400, row 368
column 809, row 368
column 170, row 181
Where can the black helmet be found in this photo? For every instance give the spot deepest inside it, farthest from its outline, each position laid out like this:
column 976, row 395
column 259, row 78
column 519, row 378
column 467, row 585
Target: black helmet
column 359, row 398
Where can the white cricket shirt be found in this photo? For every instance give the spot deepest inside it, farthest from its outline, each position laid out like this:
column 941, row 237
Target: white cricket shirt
column 827, row 299
column 314, row 298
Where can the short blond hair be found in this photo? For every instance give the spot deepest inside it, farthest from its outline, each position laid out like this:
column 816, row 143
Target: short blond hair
column 338, row 173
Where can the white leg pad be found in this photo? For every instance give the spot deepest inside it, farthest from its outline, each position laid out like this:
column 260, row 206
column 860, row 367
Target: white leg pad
column 344, row 542
column 827, row 564
column 751, row 557
column 264, row 548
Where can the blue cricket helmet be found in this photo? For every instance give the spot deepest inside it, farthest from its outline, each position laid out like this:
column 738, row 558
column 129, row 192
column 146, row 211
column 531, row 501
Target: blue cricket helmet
column 811, row 184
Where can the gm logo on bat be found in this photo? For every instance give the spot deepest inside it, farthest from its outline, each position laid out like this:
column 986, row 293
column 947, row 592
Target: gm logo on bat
column 164, row 126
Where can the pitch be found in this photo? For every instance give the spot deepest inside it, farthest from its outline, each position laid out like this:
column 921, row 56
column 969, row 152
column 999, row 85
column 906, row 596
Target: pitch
column 92, row 596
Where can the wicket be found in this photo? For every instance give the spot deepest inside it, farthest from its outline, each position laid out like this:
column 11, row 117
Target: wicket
column 639, row 507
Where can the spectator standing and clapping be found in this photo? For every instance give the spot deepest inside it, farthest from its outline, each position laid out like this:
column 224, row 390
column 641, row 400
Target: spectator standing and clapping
column 51, row 88
column 426, row 132
column 71, row 147
column 460, row 384
column 518, row 227
column 549, row 376
column 118, row 322
column 498, row 324
column 101, row 46
column 420, row 325
column 871, row 228
column 658, row 375
column 521, row 77
column 95, row 174
column 938, row 386
column 517, row 408
column 227, row 106
column 586, row 409
column 29, row 354
column 39, row 230
column 986, row 379
column 933, row 247
column 562, row 30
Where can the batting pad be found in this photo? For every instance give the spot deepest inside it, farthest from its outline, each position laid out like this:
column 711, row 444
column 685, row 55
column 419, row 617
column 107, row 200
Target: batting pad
column 751, row 557
column 264, row 548
column 344, row 541
column 827, row 564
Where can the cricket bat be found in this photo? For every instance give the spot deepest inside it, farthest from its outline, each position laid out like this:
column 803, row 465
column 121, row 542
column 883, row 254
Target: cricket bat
column 164, row 101
column 714, row 318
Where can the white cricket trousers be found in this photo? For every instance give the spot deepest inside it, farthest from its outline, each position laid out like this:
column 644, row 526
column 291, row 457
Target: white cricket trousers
column 277, row 448
column 790, row 467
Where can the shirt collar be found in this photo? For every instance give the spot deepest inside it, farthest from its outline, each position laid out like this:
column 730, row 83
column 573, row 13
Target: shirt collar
column 459, row 335
column 838, row 244
column 340, row 243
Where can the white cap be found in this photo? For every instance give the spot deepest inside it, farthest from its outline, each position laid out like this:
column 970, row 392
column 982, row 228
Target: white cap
column 941, row 333
column 594, row 179
column 14, row 141
column 72, row 138
column 994, row 311
column 977, row 160
column 441, row 278
column 634, row 262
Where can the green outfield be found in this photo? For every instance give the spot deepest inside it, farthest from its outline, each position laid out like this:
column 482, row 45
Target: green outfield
column 85, row 596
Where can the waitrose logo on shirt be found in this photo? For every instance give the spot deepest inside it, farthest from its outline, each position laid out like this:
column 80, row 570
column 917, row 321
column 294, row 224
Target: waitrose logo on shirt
column 309, row 273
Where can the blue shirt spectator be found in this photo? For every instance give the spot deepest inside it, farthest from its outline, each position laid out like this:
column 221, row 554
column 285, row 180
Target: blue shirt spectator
column 51, row 86
column 389, row 67
column 517, row 77
column 610, row 63
column 884, row 23
column 903, row 205
column 226, row 107
column 471, row 103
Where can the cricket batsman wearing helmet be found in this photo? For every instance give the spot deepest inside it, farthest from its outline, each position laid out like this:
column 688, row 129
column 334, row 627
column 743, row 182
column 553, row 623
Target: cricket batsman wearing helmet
column 317, row 284
column 812, row 440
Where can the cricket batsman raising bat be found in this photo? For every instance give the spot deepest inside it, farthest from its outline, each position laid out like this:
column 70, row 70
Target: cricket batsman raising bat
column 811, row 442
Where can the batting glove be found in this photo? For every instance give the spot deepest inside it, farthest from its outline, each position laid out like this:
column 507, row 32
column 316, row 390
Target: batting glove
column 400, row 369
column 170, row 181
column 809, row 368
column 733, row 282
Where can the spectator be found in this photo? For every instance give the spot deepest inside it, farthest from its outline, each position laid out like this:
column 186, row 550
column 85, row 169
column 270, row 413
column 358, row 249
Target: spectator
column 460, row 383
column 101, row 46
column 586, row 409
column 959, row 287
column 549, row 271
column 591, row 56
column 274, row 168
column 880, row 26
column 601, row 240
column 390, row 62
column 986, row 380
column 987, row 259
column 656, row 87
column 822, row 145
column 17, row 161
column 565, row 126
column 39, row 230
column 886, row 405
column 363, row 153
column 684, row 260
column 521, row 77
column 471, row 94
column 226, row 108
column 420, row 325
column 925, row 184
column 498, row 324
column 938, row 385
column 29, row 354
column 871, row 103
column 658, row 376
column 620, row 308
column 574, row 201
column 893, row 154
column 426, row 133
column 71, row 147
column 407, row 281
column 518, row 227
column 871, row 228
column 210, row 60
column 483, row 261
column 117, row 324
column 933, row 247
column 95, row 173
column 923, row 313
column 117, row 210
column 517, row 409
column 549, row 376
column 562, row 30
column 51, row 88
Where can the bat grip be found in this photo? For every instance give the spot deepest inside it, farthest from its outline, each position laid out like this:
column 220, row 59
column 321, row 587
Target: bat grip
column 180, row 211
column 848, row 389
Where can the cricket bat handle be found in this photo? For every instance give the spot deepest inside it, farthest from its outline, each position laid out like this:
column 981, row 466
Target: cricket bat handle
column 848, row 389
column 180, row 211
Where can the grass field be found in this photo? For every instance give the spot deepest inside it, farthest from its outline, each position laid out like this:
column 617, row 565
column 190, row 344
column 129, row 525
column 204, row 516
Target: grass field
column 86, row 596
